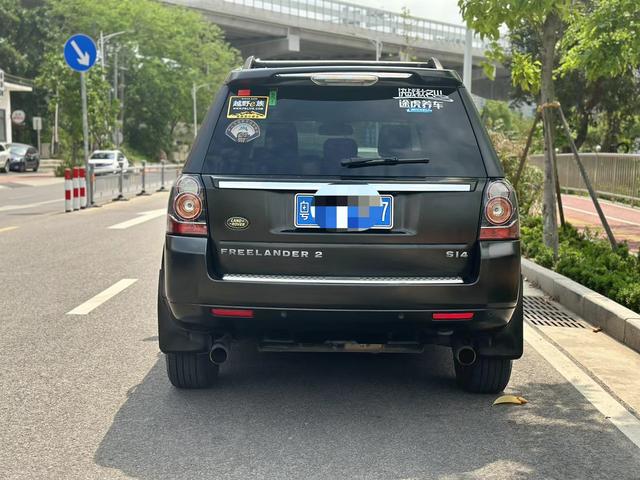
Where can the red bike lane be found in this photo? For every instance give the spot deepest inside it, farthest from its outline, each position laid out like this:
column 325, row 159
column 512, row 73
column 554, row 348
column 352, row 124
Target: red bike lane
column 624, row 220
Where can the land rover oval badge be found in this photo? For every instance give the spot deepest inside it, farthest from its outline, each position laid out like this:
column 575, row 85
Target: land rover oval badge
column 237, row 223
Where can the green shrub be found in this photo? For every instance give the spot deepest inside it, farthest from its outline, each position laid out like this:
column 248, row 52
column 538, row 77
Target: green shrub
column 66, row 163
column 588, row 260
column 528, row 189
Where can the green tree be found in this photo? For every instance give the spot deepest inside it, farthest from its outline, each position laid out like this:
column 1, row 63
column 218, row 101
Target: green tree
column 602, row 38
column 64, row 85
column 545, row 19
column 602, row 111
column 164, row 51
column 601, row 41
column 24, row 35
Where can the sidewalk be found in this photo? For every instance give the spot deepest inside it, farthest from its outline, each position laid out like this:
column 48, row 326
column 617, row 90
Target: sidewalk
column 624, row 220
column 28, row 179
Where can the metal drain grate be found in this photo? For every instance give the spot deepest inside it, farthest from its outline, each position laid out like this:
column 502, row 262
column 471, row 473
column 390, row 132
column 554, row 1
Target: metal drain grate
column 543, row 313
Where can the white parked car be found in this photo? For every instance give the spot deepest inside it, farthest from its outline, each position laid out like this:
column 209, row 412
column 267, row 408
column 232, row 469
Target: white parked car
column 108, row 161
column 4, row 158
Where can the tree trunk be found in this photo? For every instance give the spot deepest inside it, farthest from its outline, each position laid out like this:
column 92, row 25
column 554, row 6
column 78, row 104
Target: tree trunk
column 547, row 95
column 583, row 126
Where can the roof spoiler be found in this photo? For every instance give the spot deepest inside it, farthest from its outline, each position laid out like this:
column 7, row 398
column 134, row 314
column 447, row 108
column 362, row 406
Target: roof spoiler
column 252, row 62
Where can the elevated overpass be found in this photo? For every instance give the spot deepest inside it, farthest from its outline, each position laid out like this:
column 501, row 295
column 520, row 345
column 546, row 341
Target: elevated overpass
column 333, row 29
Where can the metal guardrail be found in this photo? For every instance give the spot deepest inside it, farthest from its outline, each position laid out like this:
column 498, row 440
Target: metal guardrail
column 613, row 174
column 382, row 21
column 134, row 181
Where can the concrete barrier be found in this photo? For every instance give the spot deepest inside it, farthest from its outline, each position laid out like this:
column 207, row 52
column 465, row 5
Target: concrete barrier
column 618, row 321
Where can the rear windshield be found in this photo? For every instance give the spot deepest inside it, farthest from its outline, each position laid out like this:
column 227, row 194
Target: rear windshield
column 103, row 156
column 309, row 131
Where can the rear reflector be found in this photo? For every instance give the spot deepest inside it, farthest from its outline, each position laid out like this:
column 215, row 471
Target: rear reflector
column 244, row 92
column 453, row 316
column 231, row 312
column 512, row 232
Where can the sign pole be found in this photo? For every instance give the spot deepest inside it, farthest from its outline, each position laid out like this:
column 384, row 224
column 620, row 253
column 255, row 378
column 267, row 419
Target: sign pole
column 80, row 53
column 85, row 134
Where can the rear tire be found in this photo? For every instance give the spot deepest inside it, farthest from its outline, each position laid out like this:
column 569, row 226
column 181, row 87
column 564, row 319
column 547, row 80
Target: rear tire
column 485, row 375
column 191, row 370
column 6, row 168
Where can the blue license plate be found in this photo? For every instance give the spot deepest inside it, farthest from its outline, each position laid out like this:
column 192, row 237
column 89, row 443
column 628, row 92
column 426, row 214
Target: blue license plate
column 305, row 213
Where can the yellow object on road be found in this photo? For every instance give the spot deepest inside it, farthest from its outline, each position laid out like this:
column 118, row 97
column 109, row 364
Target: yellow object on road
column 510, row 399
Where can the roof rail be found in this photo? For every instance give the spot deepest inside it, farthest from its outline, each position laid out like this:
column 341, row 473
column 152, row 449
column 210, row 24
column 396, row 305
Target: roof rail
column 248, row 63
column 436, row 63
column 251, row 63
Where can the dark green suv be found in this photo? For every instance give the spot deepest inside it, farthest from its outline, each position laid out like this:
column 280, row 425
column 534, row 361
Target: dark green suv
column 342, row 206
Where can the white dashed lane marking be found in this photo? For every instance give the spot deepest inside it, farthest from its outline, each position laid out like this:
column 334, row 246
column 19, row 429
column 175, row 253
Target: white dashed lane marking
column 141, row 218
column 8, row 208
column 102, row 297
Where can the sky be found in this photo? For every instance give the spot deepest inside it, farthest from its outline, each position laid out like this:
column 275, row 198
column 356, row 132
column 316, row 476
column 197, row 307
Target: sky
column 441, row 10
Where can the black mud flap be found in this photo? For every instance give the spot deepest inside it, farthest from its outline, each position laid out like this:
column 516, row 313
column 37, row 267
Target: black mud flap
column 171, row 337
column 508, row 342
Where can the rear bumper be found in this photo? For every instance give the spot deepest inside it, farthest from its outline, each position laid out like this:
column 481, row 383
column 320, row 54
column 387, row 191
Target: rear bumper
column 188, row 283
column 188, row 292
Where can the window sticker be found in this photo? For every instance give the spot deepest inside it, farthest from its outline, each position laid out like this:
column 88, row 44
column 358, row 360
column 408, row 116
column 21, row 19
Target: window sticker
column 421, row 100
column 248, row 107
column 243, row 131
column 273, row 97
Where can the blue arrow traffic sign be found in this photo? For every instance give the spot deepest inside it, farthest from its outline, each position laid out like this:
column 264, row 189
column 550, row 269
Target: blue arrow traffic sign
column 80, row 52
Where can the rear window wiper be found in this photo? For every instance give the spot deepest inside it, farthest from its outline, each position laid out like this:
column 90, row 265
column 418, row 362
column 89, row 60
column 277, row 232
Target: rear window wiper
column 367, row 162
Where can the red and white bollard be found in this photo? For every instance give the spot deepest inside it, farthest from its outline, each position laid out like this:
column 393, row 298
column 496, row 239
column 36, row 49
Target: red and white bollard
column 83, row 188
column 76, row 188
column 68, row 189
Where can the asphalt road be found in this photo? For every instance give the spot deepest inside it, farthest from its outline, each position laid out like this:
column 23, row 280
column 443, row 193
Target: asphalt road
column 86, row 396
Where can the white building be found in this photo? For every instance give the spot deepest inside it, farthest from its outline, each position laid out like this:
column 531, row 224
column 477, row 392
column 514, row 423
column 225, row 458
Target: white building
column 9, row 84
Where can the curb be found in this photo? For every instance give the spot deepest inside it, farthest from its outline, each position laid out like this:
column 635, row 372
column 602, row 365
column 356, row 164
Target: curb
column 618, row 321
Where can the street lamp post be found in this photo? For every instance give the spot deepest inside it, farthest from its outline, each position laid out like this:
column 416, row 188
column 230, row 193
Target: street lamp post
column 194, row 92
column 103, row 41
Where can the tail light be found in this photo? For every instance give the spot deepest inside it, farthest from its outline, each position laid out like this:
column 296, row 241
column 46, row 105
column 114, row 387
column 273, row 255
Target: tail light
column 500, row 212
column 187, row 212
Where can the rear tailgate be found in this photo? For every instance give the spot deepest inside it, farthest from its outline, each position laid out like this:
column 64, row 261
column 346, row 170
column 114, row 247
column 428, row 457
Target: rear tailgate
column 433, row 233
column 275, row 148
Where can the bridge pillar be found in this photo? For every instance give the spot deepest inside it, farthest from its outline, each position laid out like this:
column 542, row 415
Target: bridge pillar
column 274, row 48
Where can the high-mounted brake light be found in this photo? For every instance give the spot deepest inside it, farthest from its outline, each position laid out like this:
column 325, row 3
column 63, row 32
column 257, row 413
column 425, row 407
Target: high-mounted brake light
column 344, row 79
column 244, row 92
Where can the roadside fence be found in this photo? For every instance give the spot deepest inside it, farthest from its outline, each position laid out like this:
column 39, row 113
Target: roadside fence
column 120, row 185
column 613, row 175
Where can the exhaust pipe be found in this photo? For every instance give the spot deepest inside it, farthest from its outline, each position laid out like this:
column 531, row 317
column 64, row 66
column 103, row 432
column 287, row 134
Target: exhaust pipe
column 466, row 355
column 220, row 351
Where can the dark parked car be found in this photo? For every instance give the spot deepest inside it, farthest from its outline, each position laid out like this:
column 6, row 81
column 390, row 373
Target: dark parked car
column 4, row 158
column 342, row 206
column 23, row 157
